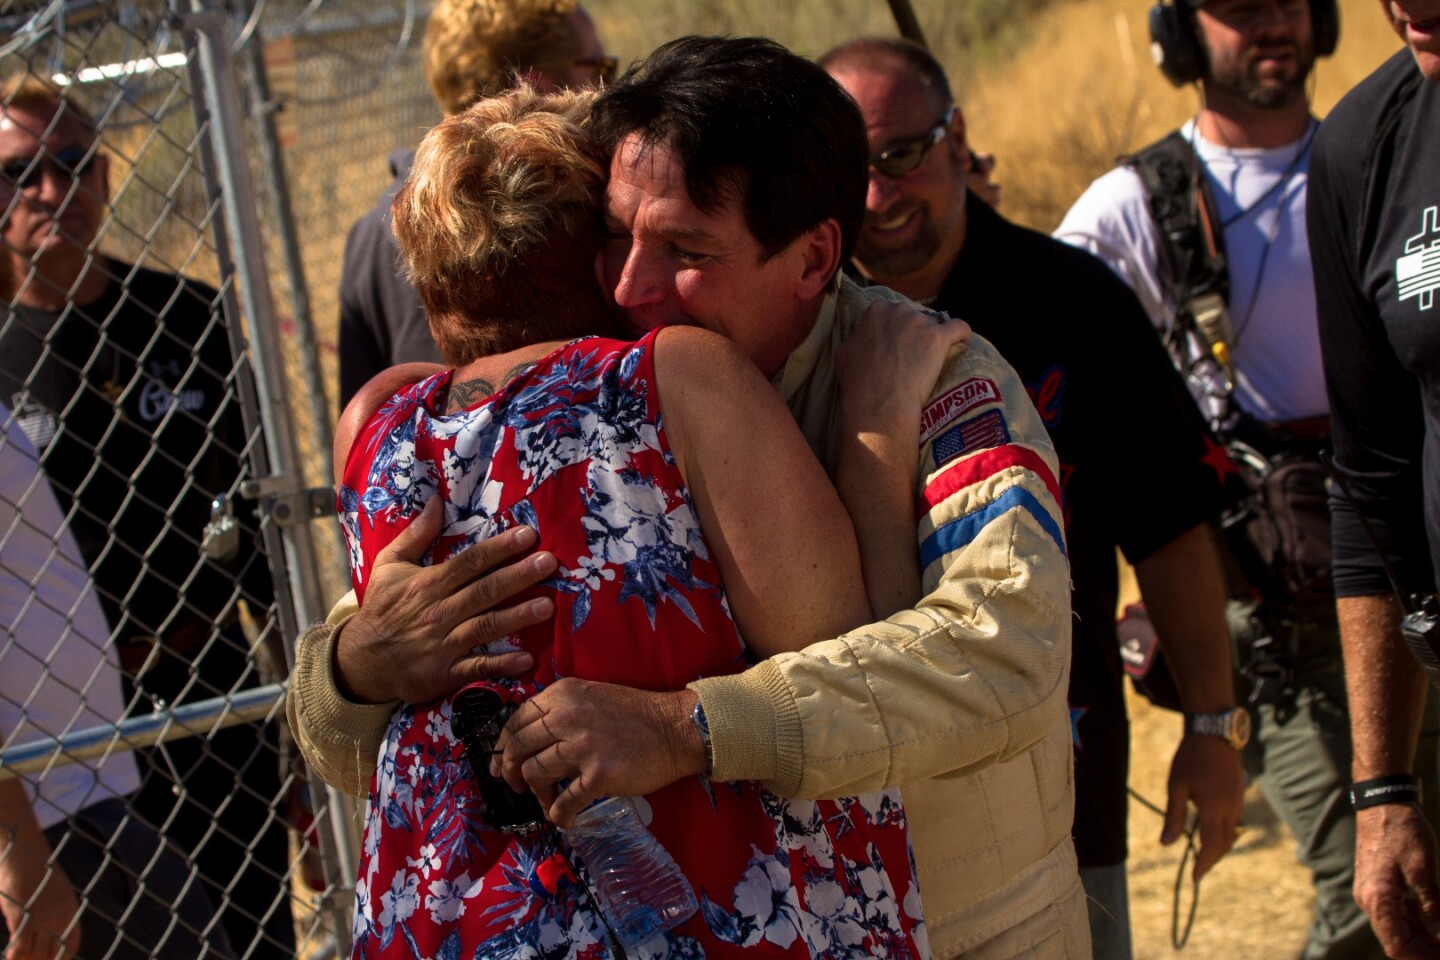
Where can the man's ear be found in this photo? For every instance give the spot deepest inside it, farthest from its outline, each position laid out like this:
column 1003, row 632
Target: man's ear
column 819, row 258
column 957, row 137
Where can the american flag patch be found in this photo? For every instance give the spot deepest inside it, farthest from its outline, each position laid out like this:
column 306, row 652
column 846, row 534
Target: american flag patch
column 987, row 430
column 955, row 404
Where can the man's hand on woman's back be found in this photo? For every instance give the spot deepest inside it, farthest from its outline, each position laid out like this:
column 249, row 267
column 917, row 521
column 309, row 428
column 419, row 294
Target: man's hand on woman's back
column 416, row 636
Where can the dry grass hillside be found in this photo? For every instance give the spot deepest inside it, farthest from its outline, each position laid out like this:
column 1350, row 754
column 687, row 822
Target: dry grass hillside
column 1082, row 90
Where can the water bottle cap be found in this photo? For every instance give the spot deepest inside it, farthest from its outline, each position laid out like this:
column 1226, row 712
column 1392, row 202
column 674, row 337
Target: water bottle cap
column 601, row 808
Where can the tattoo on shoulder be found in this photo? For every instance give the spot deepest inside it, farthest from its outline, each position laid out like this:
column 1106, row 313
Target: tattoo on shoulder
column 466, row 393
column 515, row 372
column 463, row 395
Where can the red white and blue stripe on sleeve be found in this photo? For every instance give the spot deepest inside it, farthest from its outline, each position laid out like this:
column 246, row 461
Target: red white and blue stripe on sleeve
column 969, row 454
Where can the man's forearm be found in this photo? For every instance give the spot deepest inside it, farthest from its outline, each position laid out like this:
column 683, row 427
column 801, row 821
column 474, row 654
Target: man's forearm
column 34, row 894
column 1184, row 593
column 17, row 819
column 1385, row 686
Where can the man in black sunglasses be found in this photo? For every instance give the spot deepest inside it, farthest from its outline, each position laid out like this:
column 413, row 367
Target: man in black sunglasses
column 117, row 374
column 1080, row 341
column 473, row 49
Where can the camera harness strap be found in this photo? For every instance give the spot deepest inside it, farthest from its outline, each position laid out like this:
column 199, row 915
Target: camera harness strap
column 1196, row 275
column 1192, row 248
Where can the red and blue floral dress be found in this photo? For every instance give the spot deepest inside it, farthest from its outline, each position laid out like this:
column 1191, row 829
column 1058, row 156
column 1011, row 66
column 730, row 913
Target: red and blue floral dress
column 575, row 448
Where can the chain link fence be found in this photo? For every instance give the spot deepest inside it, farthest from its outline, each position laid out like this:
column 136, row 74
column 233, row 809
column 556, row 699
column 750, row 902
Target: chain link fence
column 164, row 446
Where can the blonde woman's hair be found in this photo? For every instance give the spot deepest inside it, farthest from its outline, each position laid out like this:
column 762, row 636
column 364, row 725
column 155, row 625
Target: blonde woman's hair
column 478, row 48
column 499, row 224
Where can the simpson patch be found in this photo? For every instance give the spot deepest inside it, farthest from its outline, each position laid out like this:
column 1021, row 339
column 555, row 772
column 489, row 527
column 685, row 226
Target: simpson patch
column 955, row 403
column 978, row 433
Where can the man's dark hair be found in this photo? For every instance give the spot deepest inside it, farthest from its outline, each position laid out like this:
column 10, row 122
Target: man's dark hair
column 881, row 53
column 747, row 119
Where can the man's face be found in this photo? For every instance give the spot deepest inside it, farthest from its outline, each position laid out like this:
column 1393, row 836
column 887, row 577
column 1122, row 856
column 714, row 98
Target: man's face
column 908, row 218
column 589, row 66
column 667, row 261
column 1259, row 51
column 52, row 207
column 1418, row 23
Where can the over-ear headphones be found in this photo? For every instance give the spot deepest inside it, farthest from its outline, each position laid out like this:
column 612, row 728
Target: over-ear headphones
column 1180, row 55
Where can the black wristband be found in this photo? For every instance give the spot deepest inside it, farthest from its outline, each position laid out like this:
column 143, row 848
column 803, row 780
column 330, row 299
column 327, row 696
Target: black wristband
column 1398, row 788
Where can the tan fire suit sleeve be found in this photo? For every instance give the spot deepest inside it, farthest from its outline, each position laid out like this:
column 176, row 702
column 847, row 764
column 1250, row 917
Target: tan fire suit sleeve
column 974, row 675
column 339, row 739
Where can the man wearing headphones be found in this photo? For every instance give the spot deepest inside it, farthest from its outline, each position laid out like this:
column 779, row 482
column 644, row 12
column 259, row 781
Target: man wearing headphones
column 1234, row 302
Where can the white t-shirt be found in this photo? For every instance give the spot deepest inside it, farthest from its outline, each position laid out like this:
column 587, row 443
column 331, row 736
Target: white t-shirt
column 1260, row 196
column 58, row 671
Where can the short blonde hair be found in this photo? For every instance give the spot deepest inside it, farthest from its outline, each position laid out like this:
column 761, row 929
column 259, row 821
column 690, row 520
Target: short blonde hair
column 26, row 91
column 478, row 48
column 499, row 224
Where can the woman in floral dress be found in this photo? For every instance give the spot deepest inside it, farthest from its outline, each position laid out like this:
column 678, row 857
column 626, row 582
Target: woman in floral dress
column 656, row 472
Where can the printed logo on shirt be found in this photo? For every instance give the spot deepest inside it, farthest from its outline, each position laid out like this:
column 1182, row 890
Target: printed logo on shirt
column 1047, row 394
column 978, row 433
column 156, row 397
column 955, row 403
column 35, row 421
column 1417, row 273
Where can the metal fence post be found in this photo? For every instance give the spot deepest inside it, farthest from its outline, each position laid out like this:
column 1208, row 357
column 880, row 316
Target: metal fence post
column 284, row 489
column 277, row 181
column 290, row 505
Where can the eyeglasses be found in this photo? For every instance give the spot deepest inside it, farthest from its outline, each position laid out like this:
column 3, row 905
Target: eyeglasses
column 604, row 67
column 907, row 155
column 70, row 163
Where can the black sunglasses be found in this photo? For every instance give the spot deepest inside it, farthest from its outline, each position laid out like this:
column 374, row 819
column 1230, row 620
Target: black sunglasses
column 24, row 172
column 907, row 155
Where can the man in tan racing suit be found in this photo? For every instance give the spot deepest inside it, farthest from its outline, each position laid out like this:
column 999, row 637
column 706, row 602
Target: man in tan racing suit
column 960, row 701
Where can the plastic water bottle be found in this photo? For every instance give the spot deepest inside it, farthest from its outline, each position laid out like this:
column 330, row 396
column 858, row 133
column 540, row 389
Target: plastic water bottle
column 638, row 886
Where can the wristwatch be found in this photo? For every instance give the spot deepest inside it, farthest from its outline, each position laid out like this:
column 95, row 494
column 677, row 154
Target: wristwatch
column 1232, row 726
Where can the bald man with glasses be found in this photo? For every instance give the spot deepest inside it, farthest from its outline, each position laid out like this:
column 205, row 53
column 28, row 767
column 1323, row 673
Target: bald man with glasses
column 1138, row 469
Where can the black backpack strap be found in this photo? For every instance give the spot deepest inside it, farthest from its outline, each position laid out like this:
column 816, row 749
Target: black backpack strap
column 1192, row 244
column 1184, row 213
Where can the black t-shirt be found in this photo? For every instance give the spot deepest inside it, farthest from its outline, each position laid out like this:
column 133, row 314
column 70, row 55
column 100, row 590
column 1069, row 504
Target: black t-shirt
column 382, row 322
column 1374, row 227
column 1137, row 465
column 126, row 401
